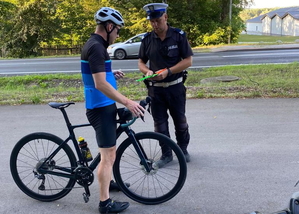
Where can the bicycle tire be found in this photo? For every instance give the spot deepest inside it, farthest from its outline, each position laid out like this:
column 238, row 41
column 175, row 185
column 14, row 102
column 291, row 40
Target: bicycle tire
column 157, row 186
column 28, row 153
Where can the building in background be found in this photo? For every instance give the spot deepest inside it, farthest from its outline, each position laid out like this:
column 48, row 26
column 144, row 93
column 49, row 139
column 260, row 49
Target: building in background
column 281, row 22
column 255, row 26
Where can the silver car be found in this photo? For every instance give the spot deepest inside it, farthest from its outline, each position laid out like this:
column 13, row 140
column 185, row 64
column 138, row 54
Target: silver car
column 129, row 48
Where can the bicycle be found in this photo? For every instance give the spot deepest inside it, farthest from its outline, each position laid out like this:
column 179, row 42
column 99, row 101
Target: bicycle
column 45, row 167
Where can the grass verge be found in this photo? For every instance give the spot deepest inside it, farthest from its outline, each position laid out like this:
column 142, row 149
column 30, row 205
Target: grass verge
column 268, row 81
column 264, row 38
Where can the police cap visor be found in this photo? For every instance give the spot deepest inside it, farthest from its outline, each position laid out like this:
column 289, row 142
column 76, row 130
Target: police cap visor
column 155, row 15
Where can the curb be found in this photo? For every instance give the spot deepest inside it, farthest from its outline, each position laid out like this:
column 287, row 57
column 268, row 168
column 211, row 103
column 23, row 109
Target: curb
column 254, row 47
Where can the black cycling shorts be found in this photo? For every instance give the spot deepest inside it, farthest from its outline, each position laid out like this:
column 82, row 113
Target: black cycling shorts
column 103, row 120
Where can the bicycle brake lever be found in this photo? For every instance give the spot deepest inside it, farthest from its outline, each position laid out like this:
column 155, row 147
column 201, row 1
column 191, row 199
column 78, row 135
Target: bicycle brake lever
column 144, row 103
column 149, row 100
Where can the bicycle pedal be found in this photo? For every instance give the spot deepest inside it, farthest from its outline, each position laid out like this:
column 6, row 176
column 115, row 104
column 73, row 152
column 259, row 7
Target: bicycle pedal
column 85, row 197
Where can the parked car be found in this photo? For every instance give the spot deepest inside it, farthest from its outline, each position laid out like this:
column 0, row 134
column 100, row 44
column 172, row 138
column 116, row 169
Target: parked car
column 129, row 48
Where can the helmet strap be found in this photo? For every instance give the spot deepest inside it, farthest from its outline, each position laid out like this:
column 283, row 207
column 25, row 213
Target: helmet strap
column 108, row 32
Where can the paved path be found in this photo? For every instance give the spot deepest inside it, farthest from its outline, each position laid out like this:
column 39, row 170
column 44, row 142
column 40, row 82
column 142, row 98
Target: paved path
column 244, row 158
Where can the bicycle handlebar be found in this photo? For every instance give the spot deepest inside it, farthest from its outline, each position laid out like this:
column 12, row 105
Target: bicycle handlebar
column 127, row 114
column 146, row 101
column 128, row 123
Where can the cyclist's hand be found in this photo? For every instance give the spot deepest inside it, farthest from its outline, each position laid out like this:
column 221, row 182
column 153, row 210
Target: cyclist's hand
column 118, row 74
column 136, row 109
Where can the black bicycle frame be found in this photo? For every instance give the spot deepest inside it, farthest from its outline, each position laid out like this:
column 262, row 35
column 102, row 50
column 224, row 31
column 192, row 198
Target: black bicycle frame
column 123, row 127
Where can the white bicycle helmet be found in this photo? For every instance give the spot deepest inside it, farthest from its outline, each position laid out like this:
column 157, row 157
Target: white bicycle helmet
column 108, row 14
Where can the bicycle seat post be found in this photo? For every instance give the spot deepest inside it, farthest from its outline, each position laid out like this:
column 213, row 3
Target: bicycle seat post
column 61, row 107
column 66, row 118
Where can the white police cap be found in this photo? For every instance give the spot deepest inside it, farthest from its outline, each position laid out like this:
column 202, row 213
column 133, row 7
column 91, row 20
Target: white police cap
column 155, row 10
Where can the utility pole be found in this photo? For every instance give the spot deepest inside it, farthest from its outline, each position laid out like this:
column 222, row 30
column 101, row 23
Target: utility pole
column 230, row 20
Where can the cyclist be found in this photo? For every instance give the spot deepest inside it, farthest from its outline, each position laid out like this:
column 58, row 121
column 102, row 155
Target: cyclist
column 101, row 93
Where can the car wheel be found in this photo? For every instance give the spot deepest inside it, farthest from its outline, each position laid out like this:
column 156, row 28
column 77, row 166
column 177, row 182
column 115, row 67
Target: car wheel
column 120, row 54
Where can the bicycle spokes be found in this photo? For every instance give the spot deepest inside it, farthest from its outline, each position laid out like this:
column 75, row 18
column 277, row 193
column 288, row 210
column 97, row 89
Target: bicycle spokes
column 36, row 174
column 155, row 185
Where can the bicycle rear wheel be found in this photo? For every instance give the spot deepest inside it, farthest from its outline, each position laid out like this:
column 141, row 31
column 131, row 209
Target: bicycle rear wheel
column 158, row 185
column 28, row 155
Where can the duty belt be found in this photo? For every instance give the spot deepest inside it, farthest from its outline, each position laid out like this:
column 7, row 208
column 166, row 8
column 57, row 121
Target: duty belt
column 166, row 84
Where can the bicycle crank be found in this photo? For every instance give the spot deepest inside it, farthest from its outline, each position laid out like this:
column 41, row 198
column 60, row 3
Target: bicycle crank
column 84, row 177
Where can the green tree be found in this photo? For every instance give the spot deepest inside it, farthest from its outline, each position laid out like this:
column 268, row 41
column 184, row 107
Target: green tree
column 34, row 23
column 76, row 21
column 198, row 18
column 7, row 12
column 70, row 14
column 31, row 24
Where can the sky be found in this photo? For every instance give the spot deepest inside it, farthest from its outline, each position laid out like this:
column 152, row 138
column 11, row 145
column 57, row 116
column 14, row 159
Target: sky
column 274, row 3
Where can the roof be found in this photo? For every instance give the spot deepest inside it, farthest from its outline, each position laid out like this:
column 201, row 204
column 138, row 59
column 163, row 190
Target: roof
column 256, row 19
column 281, row 12
column 295, row 15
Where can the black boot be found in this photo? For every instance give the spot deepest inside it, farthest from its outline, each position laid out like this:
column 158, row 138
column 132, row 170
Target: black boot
column 114, row 186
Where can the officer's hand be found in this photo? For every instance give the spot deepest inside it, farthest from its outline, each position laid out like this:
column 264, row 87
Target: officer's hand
column 149, row 73
column 161, row 75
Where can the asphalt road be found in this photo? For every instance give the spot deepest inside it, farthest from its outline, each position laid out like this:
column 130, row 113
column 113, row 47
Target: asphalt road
column 244, row 158
column 221, row 57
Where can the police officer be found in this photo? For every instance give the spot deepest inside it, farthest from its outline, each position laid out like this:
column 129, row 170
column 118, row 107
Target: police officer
column 166, row 48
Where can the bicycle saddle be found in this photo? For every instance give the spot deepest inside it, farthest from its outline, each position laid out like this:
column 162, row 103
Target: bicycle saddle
column 60, row 105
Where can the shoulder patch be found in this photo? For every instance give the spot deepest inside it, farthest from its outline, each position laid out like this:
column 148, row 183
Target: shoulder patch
column 145, row 35
column 179, row 31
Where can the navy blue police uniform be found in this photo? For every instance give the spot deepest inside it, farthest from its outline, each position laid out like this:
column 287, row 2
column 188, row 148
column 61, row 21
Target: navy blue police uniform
column 169, row 93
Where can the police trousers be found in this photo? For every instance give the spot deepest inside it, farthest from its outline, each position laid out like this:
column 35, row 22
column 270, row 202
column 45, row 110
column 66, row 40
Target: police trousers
column 170, row 100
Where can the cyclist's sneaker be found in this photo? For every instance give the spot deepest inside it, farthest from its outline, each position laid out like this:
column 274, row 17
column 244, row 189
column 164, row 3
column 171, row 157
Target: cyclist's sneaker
column 187, row 156
column 114, row 207
column 114, row 186
column 163, row 161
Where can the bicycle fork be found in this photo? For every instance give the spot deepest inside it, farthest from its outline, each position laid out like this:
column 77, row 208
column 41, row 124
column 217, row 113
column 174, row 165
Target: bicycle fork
column 139, row 149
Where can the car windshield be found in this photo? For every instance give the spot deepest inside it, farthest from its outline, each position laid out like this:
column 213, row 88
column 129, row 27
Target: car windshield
column 136, row 39
column 126, row 49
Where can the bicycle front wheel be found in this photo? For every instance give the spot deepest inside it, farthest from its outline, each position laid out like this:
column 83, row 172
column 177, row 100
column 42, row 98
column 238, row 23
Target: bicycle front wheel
column 29, row 154
column 157, row 185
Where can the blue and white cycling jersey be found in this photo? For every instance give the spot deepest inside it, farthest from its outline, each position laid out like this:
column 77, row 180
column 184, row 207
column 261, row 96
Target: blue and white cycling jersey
column 94, row 59
column 93, row 97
